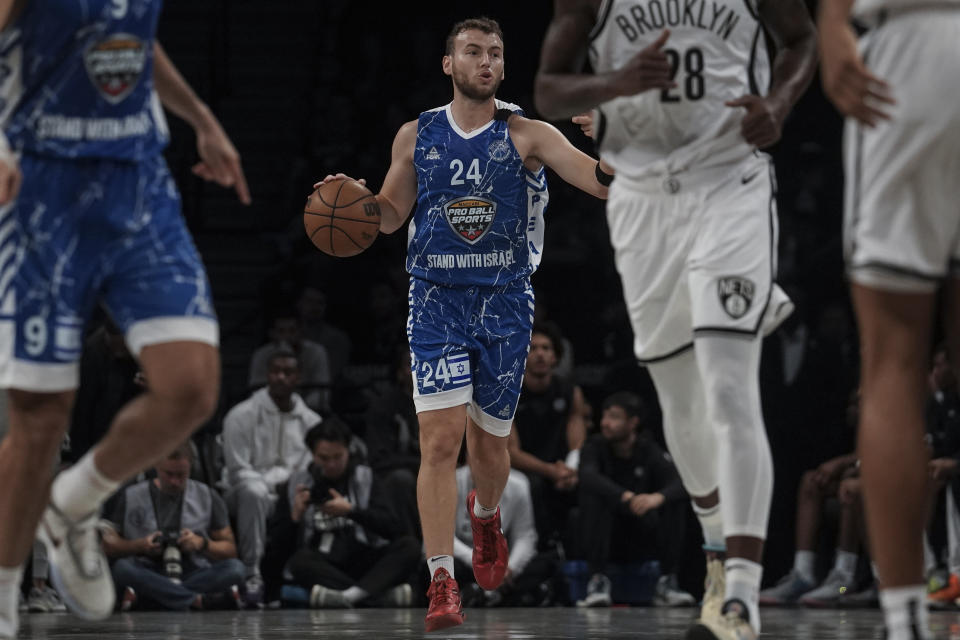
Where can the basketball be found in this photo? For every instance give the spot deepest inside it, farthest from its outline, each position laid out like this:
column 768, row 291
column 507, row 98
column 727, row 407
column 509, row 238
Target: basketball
column 342, row 218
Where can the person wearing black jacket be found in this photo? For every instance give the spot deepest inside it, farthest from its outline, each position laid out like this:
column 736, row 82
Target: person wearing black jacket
column 339, row 520
column 627, row 484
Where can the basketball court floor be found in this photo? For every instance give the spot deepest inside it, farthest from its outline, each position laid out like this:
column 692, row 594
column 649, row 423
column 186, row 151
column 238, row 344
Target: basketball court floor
column 483, row 624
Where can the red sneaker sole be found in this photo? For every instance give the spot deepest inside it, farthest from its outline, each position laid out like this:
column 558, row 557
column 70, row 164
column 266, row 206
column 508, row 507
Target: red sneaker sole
column 484, row 583
column 444, row 622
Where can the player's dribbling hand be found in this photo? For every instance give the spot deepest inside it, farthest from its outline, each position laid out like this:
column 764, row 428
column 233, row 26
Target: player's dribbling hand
column 219, row 160
column 848, row 83
column 648, row 69
column 763, row 122
column 10, row 177
column 585, row 120
column 333, row 177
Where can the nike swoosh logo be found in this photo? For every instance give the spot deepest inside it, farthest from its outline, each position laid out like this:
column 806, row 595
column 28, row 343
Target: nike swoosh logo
column 746, row 179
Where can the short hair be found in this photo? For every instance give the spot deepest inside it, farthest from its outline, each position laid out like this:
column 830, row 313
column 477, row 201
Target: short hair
column 553, row 333
column 628, row 401
column 282, row 353
column 483, row 23
column 332, row 429
column 184, row 450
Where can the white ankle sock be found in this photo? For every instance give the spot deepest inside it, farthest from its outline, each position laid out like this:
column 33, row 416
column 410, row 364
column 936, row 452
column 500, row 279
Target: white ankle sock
column 743, row 583
column 905, row 611
column 711, row 522
column 440, row 562
column 10, row 601
column 804, row 563
column 354, row 595
column 846, row 562
column 81, row 489
column 483, row 512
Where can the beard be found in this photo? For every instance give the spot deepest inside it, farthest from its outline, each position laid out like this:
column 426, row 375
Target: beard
column 472, row 91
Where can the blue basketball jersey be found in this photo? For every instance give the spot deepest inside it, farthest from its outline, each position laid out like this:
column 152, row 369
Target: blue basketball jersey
column 479, row 216
column 76, row 80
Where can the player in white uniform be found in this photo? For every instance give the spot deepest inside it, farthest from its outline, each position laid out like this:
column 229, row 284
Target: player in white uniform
column 684, row 98
column 902, row 241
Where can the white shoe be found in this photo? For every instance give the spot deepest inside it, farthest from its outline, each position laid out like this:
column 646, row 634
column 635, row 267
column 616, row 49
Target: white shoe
column 44, row 600
column 598, row 592
column 732, row 625
column 78, row 568
column 778, row 309
column 714, row 590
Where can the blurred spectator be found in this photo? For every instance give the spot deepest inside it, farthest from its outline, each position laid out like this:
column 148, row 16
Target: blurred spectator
column 262, row 446
column 817, row 487
column 547, row 435
column 393, row 440
column 564, row 367
column 314, row 364
column 312, row 306
column 172, row 541
column 632, row 504
column 335, row 513
column 529, row 575
column 109, row 378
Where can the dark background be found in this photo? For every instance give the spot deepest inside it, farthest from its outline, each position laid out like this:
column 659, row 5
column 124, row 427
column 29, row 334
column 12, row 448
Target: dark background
column 310, row 87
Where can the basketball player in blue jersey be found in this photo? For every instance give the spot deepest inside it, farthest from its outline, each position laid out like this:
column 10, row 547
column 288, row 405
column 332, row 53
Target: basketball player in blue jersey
column 898, row 89
column 97, row 218
column 693, row 224
column 472, row 171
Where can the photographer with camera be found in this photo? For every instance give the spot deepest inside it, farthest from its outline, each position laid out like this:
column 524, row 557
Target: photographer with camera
column 345, row 532
column 171, row 541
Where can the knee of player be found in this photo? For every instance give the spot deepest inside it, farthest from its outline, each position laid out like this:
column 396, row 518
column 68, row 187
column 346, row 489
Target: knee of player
column 193, row 396
column 38, row 420
column 440, row 447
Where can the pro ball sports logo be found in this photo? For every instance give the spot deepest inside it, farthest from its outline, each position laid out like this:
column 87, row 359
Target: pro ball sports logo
column 736, row 295
column 115, row 64
column 470, row 217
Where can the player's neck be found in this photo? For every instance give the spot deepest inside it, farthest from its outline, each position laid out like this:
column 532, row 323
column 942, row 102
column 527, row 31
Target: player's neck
column 471, row 114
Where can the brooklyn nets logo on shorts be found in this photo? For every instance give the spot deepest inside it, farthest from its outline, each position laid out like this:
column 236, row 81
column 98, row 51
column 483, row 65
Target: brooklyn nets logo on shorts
column 736, row 295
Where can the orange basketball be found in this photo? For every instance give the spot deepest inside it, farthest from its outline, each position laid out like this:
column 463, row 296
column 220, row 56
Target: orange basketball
column 342, row 218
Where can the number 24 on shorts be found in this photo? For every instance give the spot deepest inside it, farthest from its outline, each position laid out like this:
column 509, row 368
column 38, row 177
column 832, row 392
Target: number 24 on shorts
column 447, row 372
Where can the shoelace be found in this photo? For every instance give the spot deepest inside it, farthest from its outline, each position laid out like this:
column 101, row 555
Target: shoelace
column 443, row 591
column 488, row 533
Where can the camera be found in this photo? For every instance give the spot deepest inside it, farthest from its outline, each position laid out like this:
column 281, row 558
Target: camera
column 172, row 558
column 320, row 492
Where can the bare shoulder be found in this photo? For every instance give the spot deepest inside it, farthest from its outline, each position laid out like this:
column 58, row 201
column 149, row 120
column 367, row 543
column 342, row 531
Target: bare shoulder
column 406, row 138
column 527, row 128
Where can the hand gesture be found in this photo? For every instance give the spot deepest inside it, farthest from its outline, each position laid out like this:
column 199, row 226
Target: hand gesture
column 150, row 545
column 641, row 503
column 189, row 542
column 10, row 177
column 585, row 120
column 337, row 505
column 763, row 122
column 648, row 69
column 219, row 160
column 564, row 478
column 848, row 83
column 300, row 501
column 827, row 472
column 333, row 177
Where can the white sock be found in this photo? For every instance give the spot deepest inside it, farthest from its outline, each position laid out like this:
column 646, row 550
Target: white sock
column 846, row 562
column 743, row 583
column 354, row 595
column 874, row 571
column 10, row 601
column 711, row 522
column 440, row 562
column 905, row 611
column 81, row 489
column 804, row 564
column 483, row 512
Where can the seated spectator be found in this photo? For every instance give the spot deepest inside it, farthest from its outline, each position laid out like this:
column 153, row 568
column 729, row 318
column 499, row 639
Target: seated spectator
column 312, row 307
column 631, row 503
column 547, row 435
column 285, row 335
column 343, row 528
column 529, row 575
column 171, row 541
column 817, row 486
column 393, row 437
column 262, row 446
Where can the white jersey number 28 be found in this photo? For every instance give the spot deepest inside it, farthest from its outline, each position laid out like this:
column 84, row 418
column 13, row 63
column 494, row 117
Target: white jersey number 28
column 692, row 85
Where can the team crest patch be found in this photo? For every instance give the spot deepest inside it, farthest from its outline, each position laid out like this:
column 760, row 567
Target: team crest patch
column 470, row 217
column 115, row 65
column 736, row 295
column 499, row 150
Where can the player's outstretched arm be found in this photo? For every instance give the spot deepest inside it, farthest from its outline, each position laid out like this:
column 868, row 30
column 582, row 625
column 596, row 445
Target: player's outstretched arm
column 543, row 141
column 219, row 160
column 561, row 89
column 399, row 191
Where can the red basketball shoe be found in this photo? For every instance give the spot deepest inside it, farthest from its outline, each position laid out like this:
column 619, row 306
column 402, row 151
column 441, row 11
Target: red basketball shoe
column 445, row 610
column 490, row 552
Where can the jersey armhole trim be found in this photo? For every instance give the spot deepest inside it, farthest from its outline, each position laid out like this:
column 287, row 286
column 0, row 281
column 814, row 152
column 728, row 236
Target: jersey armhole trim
column 605, row 8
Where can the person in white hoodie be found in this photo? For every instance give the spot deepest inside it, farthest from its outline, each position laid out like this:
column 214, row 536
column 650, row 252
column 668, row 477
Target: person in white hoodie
column 262, row 445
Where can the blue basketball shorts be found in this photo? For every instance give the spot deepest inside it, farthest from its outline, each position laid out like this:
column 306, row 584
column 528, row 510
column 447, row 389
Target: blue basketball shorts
column 91, row 231
column 468, row 345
